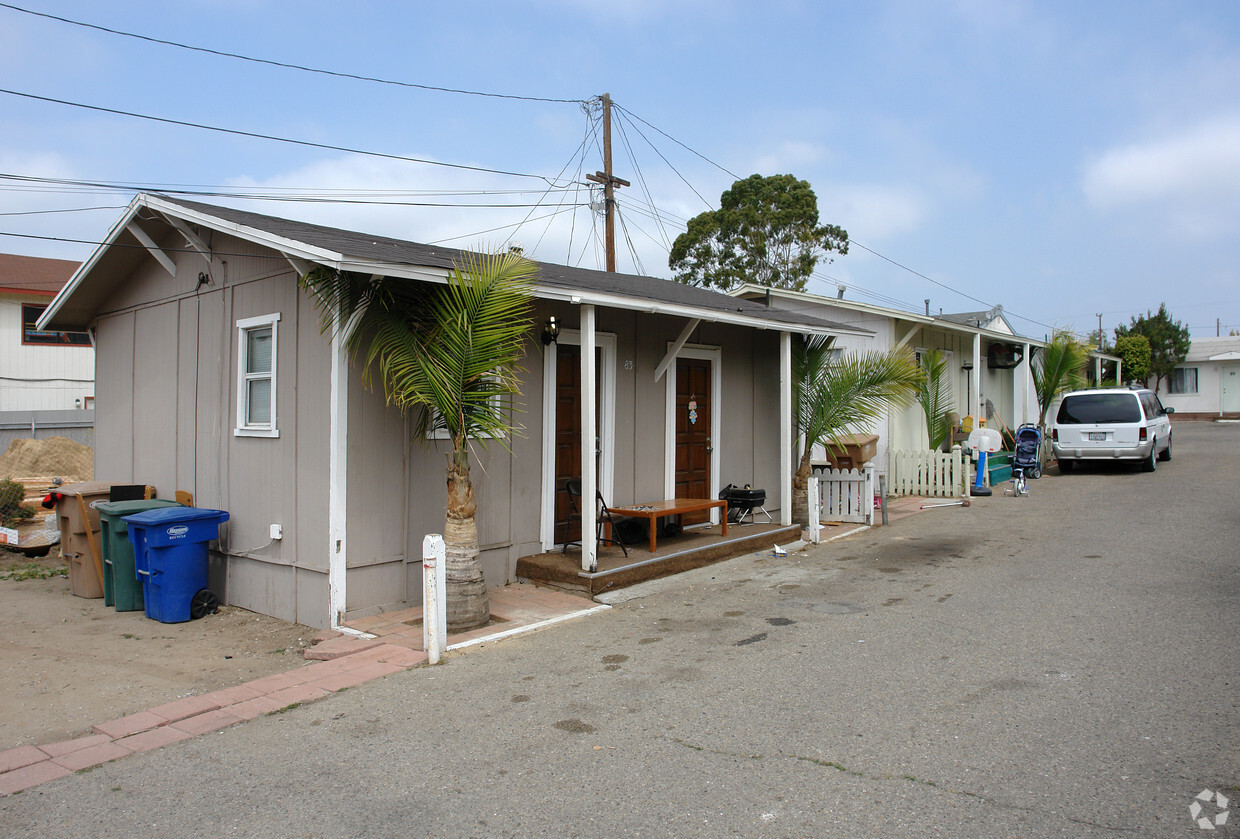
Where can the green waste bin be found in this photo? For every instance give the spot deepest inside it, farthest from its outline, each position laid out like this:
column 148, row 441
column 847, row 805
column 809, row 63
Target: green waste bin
column 121, row 587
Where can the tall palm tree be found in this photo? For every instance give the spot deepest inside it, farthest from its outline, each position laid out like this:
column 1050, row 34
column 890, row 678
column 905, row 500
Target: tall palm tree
column 935, row 396
column 448, row 356
column 1060, row 368
column 840, row 395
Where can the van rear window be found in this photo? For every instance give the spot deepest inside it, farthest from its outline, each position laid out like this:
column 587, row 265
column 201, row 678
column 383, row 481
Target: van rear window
column 1088, row 408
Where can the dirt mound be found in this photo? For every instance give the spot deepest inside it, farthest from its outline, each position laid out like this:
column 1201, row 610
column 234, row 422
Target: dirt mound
column 55, row 457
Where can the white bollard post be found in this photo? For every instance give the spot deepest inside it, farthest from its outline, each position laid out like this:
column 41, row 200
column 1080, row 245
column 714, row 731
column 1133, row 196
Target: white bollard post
column 434, row 598
column 812, row 503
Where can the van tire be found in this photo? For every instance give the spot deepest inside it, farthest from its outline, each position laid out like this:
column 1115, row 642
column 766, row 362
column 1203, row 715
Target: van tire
column 1165, row 455
column 1151, row 462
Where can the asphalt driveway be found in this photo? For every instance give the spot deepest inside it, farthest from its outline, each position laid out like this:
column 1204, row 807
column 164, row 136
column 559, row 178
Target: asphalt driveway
column 1059, row 665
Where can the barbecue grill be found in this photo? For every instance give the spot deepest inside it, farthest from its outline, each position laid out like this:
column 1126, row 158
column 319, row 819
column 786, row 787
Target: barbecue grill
column 743, row 502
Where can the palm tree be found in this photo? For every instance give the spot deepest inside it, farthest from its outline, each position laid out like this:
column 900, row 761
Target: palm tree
column 1060, row 368
column 448, row 356
column 935, row 397
column 840, row 395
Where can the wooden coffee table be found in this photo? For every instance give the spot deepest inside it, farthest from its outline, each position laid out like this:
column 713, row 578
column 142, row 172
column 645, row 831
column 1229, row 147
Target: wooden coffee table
column 673, row 507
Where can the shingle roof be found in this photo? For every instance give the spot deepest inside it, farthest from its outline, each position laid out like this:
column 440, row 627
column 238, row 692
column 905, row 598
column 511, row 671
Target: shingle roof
column 369, row 247
column 34, row 274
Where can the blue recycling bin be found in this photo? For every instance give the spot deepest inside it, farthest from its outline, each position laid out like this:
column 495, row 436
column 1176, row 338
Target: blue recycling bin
column 170, row 557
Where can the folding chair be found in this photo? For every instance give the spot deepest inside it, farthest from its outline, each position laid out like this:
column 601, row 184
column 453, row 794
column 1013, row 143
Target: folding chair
column 573, row 488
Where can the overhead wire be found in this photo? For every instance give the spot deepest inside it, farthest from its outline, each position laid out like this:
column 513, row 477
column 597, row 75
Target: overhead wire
column 62, row 210
column 260, row 136
column 718, row 166
column 282, row 64
column 580, row 150
column 641, row 179
column 708, row 204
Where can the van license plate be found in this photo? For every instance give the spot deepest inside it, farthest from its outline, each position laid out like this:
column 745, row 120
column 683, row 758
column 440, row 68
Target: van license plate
column 1097, row 436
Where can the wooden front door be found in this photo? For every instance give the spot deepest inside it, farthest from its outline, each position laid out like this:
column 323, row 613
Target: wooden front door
column 693, row 423
column 568, row 434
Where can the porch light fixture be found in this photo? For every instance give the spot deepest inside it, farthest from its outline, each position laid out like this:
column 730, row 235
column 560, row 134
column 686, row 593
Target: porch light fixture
column 551, row 331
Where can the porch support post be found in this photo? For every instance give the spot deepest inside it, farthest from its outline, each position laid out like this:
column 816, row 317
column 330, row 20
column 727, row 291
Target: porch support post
column 975, row 410
column 337, row 480
column 1026, row 381
column 1119, row 370
column 1097, row 371
column 589, row 432
column 785, row 428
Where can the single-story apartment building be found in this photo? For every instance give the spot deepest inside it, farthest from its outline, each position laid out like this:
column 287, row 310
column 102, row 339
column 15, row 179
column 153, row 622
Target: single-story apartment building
column 1207, row 384
column 213, row 376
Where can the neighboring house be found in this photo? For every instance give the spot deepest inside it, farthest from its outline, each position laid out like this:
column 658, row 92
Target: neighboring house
column 214, row 377
column 987, row 361
column 1207, row 384
column 40, row 370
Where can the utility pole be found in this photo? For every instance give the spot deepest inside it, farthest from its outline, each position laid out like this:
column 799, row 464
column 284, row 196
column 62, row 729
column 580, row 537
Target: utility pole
column 609, row 182
column 1100, row 341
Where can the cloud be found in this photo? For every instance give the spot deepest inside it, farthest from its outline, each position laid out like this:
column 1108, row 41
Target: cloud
column 871, row 212
column 1191, row 179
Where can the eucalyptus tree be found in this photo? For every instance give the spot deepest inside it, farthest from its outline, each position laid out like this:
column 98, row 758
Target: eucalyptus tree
column 765, row 231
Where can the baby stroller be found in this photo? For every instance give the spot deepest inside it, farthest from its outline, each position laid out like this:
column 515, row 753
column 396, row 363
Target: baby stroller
column 1026, row 460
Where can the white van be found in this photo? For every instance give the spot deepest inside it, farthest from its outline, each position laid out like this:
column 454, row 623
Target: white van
column 1111, row 424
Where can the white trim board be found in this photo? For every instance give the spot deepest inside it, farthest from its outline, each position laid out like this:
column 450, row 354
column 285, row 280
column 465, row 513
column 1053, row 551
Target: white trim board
column 606, row 341
column 714, row 355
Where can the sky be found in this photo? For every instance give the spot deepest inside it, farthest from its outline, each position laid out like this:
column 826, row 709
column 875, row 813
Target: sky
column 1072, row 162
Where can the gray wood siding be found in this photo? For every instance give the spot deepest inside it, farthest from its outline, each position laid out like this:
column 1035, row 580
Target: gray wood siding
column 166, row 411
column 114, row 401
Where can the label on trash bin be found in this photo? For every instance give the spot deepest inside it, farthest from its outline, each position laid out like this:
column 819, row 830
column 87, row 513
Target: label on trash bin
column 177, row 532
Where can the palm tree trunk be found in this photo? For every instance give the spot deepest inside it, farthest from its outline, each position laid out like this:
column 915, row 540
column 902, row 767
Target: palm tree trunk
column 466, row 590
column 800, row 491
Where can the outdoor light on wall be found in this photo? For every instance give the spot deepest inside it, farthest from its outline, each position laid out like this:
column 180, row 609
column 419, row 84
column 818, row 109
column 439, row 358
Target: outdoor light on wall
column 967, row 367
column 551, row 331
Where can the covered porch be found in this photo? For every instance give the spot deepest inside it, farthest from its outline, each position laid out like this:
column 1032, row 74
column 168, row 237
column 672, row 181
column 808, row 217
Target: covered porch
column 693, row 548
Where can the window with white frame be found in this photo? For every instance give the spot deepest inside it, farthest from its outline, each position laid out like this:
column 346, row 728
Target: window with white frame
column 1183, row 380
column 256, row 376
column 436, row 431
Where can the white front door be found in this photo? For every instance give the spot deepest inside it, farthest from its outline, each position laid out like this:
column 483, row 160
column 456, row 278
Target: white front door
column 1230, row 398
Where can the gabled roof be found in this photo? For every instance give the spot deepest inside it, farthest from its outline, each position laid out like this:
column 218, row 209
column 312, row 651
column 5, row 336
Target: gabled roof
column 992, row 320
column 34, row 274
column 1225, row 348
column 967, row 323
column 354, row 251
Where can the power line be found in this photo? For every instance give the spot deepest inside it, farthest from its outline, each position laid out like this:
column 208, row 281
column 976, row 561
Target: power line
column 258, row 136
column 64, row 210
column 718, row 166
column 709, row 206
column 272, row 63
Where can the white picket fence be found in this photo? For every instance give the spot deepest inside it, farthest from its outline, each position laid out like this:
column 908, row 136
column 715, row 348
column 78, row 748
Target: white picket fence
column 841, row 495
column 928, row 474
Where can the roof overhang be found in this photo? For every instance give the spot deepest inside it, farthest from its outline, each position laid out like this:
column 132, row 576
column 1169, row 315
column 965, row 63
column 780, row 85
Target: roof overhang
column 1225, row 356
column 752, row 291
column 128, row 242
